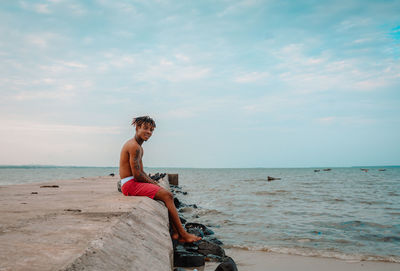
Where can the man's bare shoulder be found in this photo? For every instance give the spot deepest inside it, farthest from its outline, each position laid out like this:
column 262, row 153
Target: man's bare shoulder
column 131, row 146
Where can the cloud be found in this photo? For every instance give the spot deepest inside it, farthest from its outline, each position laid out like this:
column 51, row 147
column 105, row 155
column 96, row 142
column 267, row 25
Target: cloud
column 42, row 8
column 346, row 120
column 238, row 6
column 173, row 72
column 29, row 127
column 252, row 77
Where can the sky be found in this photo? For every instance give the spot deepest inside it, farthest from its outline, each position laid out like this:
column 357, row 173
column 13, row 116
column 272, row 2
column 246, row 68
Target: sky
column 229, row 83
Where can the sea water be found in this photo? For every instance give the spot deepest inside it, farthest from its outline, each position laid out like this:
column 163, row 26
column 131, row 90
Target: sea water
column 343, row 213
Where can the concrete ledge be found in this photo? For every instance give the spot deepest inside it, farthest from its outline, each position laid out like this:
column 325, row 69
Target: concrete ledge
column 83, row 224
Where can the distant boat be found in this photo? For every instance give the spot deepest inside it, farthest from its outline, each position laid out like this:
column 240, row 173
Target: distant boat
column 382, row 169
column 364, row 169
column 272, row 178
column 316, row 170
column 327, row 169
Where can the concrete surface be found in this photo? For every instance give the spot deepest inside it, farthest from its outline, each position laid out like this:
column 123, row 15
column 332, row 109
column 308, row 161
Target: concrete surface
column 84, row 224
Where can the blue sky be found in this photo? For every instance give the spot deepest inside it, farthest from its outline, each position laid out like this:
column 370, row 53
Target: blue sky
column 229, row 83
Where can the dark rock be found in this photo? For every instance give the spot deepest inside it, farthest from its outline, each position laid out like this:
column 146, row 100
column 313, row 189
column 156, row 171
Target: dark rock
column 228, row 265
column 204, row 229
column 207, row 248
column 188, row 259
column 175, row 186
column 213, row 240
column 177, row 203
column 49, row 186
column 183, row 220
column 111, row 174
column 34, row 193
column 119, row 186
column 196, row 231
column 213, row 258
column 73, row 210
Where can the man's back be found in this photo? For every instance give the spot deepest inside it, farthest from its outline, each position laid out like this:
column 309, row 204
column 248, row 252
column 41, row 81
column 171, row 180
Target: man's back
column 129, row 149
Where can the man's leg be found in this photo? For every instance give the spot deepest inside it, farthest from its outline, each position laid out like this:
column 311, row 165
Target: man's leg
column 168, row 199
column 174, row 234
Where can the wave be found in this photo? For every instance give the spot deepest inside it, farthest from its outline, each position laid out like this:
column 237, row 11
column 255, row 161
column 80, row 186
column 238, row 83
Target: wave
column 309, row 252
column 271, row 193
column 355, row 224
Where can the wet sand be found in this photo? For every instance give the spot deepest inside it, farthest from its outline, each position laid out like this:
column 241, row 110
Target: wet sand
column 259, row 261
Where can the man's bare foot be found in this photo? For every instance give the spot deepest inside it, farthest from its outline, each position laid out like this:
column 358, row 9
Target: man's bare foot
column 175, row 236
column 189, row 238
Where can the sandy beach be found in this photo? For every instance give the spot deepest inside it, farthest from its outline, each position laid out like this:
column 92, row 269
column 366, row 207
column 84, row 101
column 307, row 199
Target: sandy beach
column 260, row 261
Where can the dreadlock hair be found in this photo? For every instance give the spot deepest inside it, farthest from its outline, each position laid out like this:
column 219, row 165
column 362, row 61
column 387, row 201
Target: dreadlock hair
column 144, row 119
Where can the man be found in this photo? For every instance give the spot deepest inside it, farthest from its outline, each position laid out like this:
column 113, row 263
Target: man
column 135, row 182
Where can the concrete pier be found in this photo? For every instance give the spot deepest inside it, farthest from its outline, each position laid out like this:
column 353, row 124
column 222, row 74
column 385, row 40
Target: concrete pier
column 83, row 224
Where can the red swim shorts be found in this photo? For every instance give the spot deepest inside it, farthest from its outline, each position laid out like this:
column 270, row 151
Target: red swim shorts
column 134, row 188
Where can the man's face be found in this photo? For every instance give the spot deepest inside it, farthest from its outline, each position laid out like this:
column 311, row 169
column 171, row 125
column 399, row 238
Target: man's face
column 144, row 131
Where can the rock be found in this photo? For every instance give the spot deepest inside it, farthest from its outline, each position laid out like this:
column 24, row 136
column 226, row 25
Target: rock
column 35, row 193
column 188, row 259
column 204, row 229
column 177, row 203
column 49, row 186
column 119, row 186
column 228, row 265
column 213, row 240
column 156, row 176
column 213, row 258
column 73, row 210
column 111, row 174
column 183, row 220
column 196, row 231
column 207, row 248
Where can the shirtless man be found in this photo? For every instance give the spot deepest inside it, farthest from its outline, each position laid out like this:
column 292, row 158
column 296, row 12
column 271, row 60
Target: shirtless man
column 135, row 182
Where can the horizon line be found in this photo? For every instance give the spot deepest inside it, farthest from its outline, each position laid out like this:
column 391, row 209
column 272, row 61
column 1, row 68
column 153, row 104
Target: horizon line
column 74, row 166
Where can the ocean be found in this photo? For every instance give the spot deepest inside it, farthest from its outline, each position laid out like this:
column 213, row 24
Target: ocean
column 343, row 213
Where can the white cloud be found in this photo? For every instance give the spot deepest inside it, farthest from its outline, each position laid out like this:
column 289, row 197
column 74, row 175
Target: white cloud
column 182, row 57
column 42, row 8
column 170, row 71
column 346, row 120
column 238, row 6
column 32, row 127
column 252, row 77
column 73, row 64
column 65, row 93
column 37, row 41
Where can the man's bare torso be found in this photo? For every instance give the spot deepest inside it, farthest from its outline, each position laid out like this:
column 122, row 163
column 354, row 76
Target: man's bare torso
column 130, row 148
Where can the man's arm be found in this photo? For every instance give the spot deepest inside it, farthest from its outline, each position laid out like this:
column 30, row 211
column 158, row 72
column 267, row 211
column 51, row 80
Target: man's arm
column 135, row 163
